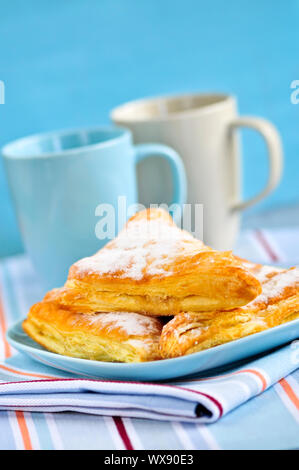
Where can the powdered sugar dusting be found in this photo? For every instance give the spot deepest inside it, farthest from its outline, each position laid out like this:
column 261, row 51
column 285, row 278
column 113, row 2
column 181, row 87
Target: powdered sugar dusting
column 264, row 273
column 276, row 286
column 144, row 247
column 132, row 324
column 144, row 344
column 249, row 265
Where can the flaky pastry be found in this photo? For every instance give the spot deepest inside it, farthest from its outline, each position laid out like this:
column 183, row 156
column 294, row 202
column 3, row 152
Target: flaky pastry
column 155, row 268
column 279, row 302
column 111, row 337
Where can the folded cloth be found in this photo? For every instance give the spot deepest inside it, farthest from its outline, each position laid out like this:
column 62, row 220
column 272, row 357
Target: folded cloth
column 203, row 400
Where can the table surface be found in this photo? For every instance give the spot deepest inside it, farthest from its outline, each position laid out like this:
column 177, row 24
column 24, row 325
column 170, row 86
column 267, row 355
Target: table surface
column 255, row 425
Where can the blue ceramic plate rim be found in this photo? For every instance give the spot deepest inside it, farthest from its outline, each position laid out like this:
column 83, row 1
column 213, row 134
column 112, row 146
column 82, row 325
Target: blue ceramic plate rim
column 142, row 366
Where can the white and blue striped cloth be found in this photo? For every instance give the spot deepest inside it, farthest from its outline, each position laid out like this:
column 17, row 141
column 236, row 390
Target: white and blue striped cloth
column 184, row 415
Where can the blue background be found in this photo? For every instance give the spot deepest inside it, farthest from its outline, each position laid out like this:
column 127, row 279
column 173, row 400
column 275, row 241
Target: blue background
column 67, row 63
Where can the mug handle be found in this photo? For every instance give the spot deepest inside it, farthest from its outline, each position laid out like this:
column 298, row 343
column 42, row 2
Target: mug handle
column 272, row 139
column 144, row 151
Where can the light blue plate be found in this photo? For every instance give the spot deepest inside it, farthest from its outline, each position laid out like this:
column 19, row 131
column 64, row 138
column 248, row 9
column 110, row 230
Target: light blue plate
column 157, row 370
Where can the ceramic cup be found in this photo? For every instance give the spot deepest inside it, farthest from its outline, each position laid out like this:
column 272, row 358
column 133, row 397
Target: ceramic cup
column 203, row 130
column 58, row 180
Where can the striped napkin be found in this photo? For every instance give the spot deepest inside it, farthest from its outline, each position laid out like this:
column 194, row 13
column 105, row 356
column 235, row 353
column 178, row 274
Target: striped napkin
column 202, row 400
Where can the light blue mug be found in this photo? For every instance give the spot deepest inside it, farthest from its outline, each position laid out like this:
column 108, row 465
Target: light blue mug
column 57, row 181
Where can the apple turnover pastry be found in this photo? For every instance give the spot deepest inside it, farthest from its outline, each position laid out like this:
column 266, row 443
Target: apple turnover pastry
column 155, row 268
column 278, row 303
column 111, row 337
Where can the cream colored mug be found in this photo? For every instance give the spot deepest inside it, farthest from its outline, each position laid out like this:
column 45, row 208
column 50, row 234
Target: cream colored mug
column 202, row 128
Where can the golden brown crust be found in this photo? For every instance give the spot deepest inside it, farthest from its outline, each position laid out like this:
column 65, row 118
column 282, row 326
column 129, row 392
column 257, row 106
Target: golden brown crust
column 155, row 268
column 114, row 337
column 278, row 303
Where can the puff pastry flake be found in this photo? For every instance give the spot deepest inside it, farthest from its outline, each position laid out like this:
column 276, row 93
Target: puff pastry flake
column 279, row 302
column 155, row 268
column 111, row 337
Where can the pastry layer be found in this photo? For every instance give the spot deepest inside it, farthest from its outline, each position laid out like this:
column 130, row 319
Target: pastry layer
column 112, row 337
column 154, row 267
column 279, row 302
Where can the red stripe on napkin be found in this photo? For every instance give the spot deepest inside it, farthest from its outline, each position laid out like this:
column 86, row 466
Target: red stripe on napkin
column 123, row 433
